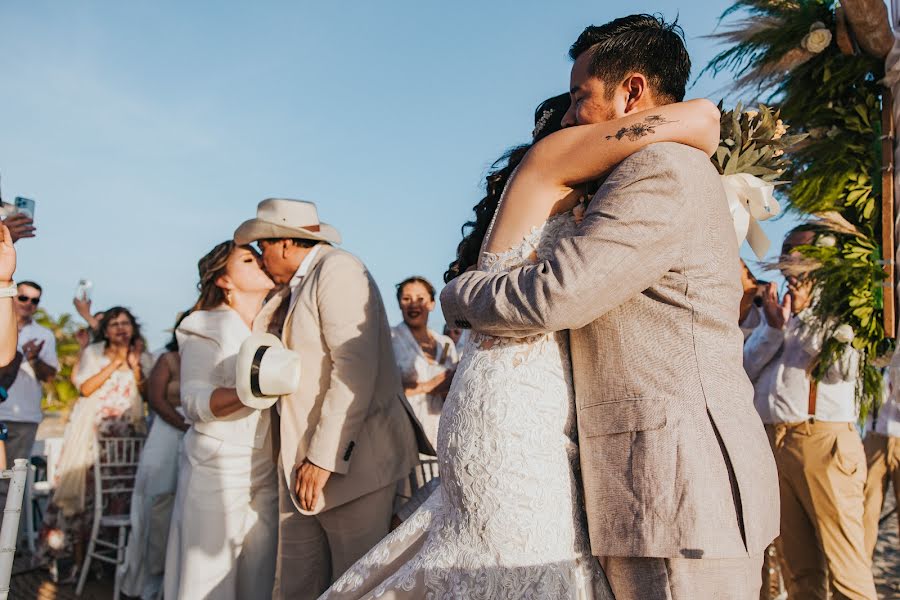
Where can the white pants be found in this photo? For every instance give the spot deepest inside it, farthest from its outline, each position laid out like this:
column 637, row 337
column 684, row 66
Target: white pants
column 224, row 529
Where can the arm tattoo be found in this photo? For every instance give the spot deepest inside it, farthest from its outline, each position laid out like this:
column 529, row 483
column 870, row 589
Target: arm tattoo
column 639, row 130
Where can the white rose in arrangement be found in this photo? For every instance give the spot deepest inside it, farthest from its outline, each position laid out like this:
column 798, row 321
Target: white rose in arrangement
column 817, row 40
column 826, row 241
column 844, row 334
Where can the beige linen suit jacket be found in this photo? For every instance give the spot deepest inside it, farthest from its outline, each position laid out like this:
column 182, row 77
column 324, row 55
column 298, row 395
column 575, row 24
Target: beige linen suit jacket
column 349, row 415
column 675, row 461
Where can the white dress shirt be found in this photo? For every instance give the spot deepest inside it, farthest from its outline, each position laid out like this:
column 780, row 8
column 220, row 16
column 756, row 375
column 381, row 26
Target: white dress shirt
column 777, row 362
column 302, row 270
column 887, row 417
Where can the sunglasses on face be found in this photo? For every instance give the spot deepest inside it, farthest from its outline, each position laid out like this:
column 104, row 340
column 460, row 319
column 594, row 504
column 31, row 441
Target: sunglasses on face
column 34, row 301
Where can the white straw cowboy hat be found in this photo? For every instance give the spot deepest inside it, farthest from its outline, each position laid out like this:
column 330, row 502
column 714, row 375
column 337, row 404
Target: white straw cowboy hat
column 286, row 218
column 266, row 370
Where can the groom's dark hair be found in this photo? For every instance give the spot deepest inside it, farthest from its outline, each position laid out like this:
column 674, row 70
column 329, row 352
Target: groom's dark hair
column 638, row 43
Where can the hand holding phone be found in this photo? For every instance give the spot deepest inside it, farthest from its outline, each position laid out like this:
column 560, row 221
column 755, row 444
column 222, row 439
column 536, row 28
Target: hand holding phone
column 25, row 206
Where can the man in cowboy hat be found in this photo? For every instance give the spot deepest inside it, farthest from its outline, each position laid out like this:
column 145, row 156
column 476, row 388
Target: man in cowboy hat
column 346, row 436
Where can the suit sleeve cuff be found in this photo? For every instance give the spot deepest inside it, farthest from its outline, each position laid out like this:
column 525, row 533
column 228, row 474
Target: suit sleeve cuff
column 331, row 457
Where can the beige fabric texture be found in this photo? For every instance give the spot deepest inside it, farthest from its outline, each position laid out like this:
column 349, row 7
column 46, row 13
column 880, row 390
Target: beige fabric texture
column 349, row 415
column 822, row 471
column 650, row 289
column 638, row 578
column 314, row 550
column 883, row 461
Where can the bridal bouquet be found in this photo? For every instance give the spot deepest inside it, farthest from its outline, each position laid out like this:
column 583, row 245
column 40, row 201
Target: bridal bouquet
column 751, row 158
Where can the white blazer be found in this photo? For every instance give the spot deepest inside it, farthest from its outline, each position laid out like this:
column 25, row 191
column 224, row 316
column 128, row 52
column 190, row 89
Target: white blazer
column 208, row 341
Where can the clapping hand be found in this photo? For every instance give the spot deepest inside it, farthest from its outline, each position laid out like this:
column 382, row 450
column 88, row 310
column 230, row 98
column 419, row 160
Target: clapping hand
column 7, row 254
column 20, row 226
column 32, row 349
column 777, row 313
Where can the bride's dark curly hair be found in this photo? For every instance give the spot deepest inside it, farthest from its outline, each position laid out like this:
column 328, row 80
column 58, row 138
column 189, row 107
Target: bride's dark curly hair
column 547, row 119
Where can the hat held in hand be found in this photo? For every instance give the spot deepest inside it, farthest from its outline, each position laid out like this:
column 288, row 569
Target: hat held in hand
column 266, row 370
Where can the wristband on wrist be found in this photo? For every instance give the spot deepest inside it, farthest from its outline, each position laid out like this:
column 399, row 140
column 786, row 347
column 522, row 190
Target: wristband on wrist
column 4, row 432
column 9, row 291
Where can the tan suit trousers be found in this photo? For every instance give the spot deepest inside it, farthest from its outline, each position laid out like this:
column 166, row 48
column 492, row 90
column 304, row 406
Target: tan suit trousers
column 315, row 550
column 640, row 578
column 883, row 460
column 822, row 473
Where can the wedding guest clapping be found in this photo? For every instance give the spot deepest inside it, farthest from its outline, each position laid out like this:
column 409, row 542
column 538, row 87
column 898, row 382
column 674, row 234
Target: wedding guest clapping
column 820, row 457
column 426, row 359
column 157, row 476
column 110, row 379
column 223, row 534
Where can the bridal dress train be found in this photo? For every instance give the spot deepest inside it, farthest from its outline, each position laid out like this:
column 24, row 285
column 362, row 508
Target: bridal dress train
column 507, row 520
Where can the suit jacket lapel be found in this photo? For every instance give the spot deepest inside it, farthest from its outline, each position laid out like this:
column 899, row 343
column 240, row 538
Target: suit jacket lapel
column 323, row 250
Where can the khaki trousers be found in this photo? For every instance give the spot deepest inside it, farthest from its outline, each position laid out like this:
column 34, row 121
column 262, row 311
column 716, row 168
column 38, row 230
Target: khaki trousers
column 774, row 569
column 639, row 578
column 822, row 473
column 315, row 550
column 883, row 461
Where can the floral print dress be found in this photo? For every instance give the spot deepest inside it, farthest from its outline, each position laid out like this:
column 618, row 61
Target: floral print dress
column 118, row 413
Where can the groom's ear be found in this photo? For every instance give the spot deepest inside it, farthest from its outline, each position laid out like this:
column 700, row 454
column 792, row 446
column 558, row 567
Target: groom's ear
column 637, row 92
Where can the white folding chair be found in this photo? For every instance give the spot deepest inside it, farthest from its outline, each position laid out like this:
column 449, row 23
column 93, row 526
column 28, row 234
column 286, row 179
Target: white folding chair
column 115, row 466
column 37, row 492
column 9, row 530
column 422, row 473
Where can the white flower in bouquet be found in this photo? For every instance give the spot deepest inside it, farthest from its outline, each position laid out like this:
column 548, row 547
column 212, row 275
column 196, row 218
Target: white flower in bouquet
column 818, row 38
column 780, row 130
column 844, row 334
column 826, row 241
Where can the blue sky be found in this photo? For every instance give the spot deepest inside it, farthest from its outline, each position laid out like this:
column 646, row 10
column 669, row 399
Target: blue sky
column 147, row 131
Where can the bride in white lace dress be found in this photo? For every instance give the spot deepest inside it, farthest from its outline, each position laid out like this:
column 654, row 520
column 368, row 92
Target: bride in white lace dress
column 506, row 521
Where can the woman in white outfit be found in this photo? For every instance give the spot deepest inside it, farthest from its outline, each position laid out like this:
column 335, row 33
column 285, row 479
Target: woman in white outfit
column 157, row 477
column 426, row 359
column 223, row 534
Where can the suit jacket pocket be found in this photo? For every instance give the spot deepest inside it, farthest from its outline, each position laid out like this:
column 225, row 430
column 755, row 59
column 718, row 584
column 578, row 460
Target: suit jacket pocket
column 627, row 442
column 622, row 416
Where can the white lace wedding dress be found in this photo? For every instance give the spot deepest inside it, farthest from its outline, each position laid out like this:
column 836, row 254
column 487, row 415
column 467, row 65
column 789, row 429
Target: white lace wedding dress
column 507, row 520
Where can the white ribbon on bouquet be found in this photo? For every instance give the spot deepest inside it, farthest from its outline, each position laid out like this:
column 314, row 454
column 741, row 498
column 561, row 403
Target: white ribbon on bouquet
column 751, row 200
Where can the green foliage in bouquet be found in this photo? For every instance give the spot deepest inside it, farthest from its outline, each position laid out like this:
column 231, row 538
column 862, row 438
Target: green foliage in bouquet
column 785, row 50
column 754, row 142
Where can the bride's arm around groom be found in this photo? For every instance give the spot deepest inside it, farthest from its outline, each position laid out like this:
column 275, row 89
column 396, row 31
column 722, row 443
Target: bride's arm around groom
column 676, row 466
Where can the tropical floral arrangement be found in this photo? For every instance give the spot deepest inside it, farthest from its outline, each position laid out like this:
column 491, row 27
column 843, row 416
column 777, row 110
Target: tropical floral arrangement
column 799, row 54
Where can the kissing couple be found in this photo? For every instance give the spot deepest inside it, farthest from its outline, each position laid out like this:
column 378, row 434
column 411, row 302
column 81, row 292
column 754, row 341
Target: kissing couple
column 599, row 439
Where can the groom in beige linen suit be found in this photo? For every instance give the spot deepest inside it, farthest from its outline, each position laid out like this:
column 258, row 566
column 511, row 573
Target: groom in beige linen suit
column 680, row 486
column 346, row 435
